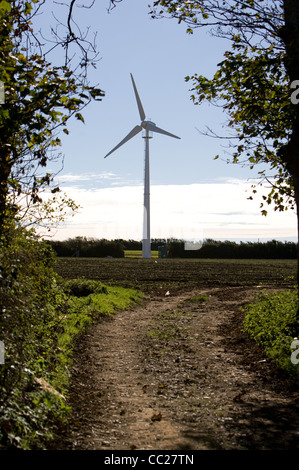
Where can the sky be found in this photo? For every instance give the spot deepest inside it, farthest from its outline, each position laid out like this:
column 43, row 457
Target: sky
column 193, row 196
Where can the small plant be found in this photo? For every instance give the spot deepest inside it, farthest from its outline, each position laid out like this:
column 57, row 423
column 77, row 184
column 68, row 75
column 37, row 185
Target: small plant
column 269, row 320
column 84, row 287
column 199, row 298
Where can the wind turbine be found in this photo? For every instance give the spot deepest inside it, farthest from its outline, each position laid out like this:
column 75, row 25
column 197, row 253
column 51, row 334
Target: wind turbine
column 149, row 127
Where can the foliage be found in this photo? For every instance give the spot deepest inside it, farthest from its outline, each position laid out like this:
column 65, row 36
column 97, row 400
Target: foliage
column 253, row 89
column 92, row 247
column 87, row 247
column 252, row 83
column 270, row 320
column 29, row 298
column 201, row 298
column 84, row 287
column 40, row 318
column 232, row 250
column 41, row 96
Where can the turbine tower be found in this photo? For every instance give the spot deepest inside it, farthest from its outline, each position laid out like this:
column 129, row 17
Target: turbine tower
column 148, row 127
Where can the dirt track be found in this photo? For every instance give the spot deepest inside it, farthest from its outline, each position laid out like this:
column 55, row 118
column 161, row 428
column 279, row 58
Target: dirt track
column 175, row 374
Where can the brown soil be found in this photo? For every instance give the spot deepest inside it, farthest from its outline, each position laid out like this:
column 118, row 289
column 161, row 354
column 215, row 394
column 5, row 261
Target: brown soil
column 176, row 374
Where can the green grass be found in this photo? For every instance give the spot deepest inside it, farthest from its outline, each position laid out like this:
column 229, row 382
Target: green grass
column 34, row 401
column 138, row 253
column 86, row 302
column 269, row 320
column 199, row 298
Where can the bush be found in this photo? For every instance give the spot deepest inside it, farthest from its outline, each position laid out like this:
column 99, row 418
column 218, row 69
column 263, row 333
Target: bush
column 84, row 287
column 88, row 248
column 270, row 320
column 40, row 318
column 231, row 250
column 29, row 299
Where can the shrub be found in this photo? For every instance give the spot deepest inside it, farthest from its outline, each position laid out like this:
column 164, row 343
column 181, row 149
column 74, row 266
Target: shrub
column 40, row 317
column 29, row 298
column 269, row 320
column 84, row 287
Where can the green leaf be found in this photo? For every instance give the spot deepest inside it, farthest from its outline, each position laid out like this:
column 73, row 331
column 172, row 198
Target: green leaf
column 80, row 117
column 5, row 7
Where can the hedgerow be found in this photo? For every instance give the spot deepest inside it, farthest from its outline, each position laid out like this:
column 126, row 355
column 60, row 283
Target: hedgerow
column 270, row 321
column 40, row 318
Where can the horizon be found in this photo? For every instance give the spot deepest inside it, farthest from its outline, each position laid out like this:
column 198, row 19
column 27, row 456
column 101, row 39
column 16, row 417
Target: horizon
column 155, row 240
column 190, row 191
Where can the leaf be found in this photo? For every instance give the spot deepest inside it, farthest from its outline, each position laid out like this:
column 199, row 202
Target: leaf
column 4, row 7
column 156, row 417
column 79, row 117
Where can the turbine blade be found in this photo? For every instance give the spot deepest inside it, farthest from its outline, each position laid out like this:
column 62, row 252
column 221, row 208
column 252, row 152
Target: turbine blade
column 131, row 134
column 154, row 128
column 140, row 108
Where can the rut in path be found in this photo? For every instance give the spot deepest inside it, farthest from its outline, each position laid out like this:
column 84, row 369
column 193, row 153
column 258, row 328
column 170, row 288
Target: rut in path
column 201, row 385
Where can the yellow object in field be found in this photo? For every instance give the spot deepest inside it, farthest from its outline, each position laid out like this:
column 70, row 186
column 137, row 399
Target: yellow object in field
column 138, row 253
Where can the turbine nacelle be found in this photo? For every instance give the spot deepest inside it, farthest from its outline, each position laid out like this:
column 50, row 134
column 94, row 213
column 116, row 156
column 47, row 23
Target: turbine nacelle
column 147, row 125
column 144, row 124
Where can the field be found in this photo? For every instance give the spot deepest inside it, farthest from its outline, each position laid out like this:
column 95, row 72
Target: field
column 138, row 253
column 160, row 275
column 179, row 371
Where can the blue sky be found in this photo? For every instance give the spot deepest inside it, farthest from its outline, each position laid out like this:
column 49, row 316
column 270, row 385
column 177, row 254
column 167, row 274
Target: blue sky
column 192, row 195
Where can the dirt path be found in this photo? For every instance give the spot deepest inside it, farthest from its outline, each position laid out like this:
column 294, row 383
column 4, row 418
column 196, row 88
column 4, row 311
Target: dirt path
column 179, row 374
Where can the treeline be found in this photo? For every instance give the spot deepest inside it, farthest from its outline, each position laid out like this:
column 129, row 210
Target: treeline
column 232, row 250
column 88, row 248
column 101, row 248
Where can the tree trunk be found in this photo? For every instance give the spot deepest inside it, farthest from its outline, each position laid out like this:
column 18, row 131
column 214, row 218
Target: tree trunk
column 289, row 154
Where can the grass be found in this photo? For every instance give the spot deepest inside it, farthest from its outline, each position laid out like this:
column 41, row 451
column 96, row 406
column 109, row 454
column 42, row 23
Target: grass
column 162, row 327
column 34, row 401
column 199, row 298
column 269, row 321
column 88, row 300
column 138, row 253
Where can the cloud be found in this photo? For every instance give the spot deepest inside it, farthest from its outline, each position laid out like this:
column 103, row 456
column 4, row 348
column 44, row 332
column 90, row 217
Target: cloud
column 211, row 210
column 93, row 180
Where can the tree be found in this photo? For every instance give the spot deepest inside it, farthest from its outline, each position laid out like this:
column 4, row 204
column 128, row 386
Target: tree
column 41, row 96
column 253, row 83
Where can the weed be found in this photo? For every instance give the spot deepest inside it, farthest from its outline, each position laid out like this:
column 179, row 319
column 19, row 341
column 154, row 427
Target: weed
column 199, row 298
column 269, row 321
column 83, row 287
